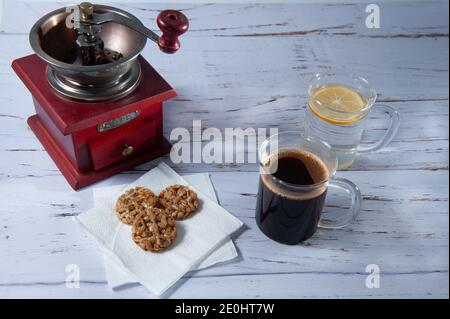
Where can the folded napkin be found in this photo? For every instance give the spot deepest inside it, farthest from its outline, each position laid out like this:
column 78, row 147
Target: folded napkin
column 197, row 236
column 116, row 276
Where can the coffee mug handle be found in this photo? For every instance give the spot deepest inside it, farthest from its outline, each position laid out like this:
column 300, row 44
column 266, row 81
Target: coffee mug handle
column 390, row 132
column 342, row 220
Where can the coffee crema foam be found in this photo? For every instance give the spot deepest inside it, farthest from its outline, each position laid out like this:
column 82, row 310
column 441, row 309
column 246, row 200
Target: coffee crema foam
column 314, row 165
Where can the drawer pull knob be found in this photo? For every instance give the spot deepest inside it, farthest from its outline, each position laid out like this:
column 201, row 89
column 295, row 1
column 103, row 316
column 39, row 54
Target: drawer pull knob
column 127, row 150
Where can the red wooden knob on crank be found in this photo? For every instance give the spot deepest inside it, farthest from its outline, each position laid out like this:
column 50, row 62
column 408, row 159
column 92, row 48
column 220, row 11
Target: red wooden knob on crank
column 172, row 23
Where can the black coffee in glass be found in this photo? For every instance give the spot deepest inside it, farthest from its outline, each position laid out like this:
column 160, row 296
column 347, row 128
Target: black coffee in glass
column 290, row 200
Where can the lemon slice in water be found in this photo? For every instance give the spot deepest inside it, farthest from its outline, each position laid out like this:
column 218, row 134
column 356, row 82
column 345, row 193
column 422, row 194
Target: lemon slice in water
column 337, row 104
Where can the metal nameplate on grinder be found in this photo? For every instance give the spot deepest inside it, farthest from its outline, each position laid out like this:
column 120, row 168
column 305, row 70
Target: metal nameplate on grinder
column 117, row 122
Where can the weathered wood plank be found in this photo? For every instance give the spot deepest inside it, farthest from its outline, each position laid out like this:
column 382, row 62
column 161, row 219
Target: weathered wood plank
column 403, row 223
column 270, row 19
column 434, row 285
column 422, row 141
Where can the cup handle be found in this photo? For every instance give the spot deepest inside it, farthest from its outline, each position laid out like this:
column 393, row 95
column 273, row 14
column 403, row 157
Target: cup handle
column 351, row 214
column 390, row 132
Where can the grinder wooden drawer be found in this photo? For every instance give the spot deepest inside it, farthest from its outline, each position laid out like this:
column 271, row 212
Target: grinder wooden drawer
column 122, row 143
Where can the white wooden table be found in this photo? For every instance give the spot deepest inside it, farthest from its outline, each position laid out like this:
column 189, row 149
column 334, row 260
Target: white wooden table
column 247, row 65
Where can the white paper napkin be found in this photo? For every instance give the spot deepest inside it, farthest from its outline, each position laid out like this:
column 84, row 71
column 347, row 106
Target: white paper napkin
column 116, row 276
column 197, row 236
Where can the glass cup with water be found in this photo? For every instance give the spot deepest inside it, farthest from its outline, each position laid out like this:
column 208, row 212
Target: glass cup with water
column 337, row 108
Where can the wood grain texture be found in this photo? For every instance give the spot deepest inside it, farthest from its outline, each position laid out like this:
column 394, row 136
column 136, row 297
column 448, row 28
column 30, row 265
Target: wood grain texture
column 247, row 65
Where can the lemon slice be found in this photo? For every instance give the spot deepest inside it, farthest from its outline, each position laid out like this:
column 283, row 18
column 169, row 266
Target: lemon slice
column 337, row 104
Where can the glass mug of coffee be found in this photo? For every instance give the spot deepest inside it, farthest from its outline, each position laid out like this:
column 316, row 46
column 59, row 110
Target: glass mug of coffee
column 295, row 174
column 337, row 108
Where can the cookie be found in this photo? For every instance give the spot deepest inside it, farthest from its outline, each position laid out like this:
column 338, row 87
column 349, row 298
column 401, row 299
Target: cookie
column 133, row 202
column 153, row 230
column 178, row 201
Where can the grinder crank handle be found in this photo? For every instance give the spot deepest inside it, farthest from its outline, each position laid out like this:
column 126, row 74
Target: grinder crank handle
column 172, row 23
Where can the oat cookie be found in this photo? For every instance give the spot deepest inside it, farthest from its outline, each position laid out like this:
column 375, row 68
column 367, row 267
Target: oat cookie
column 133, row 202
column 153, row 230
column 178, row 201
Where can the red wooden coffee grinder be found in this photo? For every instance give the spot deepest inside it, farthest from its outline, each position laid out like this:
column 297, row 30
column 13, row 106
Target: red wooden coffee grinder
column 98, row 102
